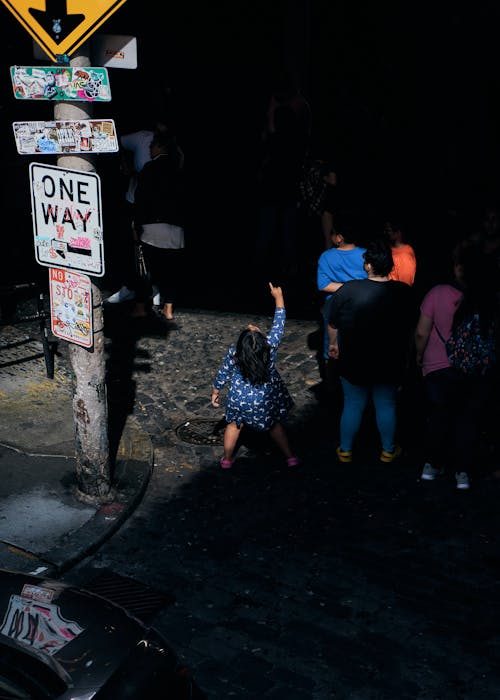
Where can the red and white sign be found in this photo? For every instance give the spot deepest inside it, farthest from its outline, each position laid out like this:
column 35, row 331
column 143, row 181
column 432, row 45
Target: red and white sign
column 71, row 306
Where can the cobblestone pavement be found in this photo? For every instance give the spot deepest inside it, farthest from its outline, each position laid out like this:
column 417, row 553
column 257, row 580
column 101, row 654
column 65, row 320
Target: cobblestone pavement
column 357, row 581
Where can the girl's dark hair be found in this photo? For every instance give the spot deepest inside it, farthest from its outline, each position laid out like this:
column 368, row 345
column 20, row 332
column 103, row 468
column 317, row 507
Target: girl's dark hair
column 252, row 356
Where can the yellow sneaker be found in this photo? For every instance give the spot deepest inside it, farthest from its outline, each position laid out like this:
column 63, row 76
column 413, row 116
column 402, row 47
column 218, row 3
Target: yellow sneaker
column 344, row 456
column 390, row 456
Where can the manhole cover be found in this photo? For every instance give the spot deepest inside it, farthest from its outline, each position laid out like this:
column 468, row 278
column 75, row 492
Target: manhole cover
column 198, row 431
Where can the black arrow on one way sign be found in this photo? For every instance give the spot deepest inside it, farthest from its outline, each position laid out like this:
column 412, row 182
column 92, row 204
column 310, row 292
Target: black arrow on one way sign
column 55, row 20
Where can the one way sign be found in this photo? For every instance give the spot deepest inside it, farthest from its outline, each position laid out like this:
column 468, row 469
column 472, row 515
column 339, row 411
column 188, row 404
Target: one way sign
column 62, row 25
column 67, row 222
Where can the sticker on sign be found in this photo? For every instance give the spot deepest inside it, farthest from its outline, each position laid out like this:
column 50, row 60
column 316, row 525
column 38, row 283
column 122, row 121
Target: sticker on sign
column 67, row 221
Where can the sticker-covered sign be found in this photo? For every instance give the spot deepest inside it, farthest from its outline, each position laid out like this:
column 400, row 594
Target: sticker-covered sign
column 60, row 137
column 60, row 83
column 67, row 222
column 71, row 306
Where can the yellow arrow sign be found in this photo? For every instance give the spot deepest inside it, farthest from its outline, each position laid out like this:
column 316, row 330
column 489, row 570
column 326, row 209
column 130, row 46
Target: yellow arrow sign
column 61, row 26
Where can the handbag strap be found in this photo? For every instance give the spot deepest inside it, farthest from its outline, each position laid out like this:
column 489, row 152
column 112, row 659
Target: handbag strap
column 440, row 335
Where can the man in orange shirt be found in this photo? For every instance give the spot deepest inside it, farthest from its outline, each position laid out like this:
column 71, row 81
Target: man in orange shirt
column 403, row 255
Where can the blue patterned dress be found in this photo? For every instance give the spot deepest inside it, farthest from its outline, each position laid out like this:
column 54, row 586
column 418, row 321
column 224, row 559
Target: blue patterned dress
column 258, row 406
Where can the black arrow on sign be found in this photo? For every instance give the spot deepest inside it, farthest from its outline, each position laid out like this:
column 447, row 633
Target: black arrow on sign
column 55, row 20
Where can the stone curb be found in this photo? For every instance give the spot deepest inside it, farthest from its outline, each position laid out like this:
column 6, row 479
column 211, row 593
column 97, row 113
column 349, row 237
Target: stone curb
column 134, row 465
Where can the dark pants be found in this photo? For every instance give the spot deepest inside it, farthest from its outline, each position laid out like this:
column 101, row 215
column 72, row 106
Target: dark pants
column 164, row 266
column 455, row 405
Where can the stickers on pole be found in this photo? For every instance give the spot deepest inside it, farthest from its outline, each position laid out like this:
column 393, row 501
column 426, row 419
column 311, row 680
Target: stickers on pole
column 60, row 83
column 67, row 220
column 63, row 137
column 71, row 306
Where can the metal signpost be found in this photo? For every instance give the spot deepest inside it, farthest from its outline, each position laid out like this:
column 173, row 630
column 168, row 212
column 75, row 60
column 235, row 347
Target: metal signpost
column 67, row 221
column 60, row 83
column 66, row 137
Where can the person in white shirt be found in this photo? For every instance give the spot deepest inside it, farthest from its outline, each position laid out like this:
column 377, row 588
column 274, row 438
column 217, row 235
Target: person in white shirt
column 137, row 145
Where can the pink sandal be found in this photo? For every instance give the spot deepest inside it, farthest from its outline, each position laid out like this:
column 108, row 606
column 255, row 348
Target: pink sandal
column 293, row 461
column 226, row 463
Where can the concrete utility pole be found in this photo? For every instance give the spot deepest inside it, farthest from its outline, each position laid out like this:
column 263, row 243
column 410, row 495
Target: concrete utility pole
column 90, row 408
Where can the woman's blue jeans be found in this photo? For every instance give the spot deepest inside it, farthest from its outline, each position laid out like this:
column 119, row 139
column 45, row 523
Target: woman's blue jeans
column 356, row 397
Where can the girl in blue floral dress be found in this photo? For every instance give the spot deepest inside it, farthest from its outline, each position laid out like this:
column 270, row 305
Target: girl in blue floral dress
column 257, row 396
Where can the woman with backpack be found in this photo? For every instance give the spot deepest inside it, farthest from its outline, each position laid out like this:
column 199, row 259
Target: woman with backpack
column 455, row 339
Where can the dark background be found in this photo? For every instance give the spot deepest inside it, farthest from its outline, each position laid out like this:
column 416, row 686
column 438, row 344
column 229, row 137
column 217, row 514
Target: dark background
column 404, row 98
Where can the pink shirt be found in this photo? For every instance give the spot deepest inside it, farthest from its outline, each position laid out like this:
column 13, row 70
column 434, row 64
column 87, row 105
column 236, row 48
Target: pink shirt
column 439, row 304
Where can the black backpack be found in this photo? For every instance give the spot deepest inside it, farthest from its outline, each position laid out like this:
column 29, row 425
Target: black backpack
column 468, row 350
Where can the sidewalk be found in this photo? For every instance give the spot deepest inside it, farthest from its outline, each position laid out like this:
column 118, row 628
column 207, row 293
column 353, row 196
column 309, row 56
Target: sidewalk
column 43, row 526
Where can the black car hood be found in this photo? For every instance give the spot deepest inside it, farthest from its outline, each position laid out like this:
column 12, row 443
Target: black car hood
column 86, row 636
